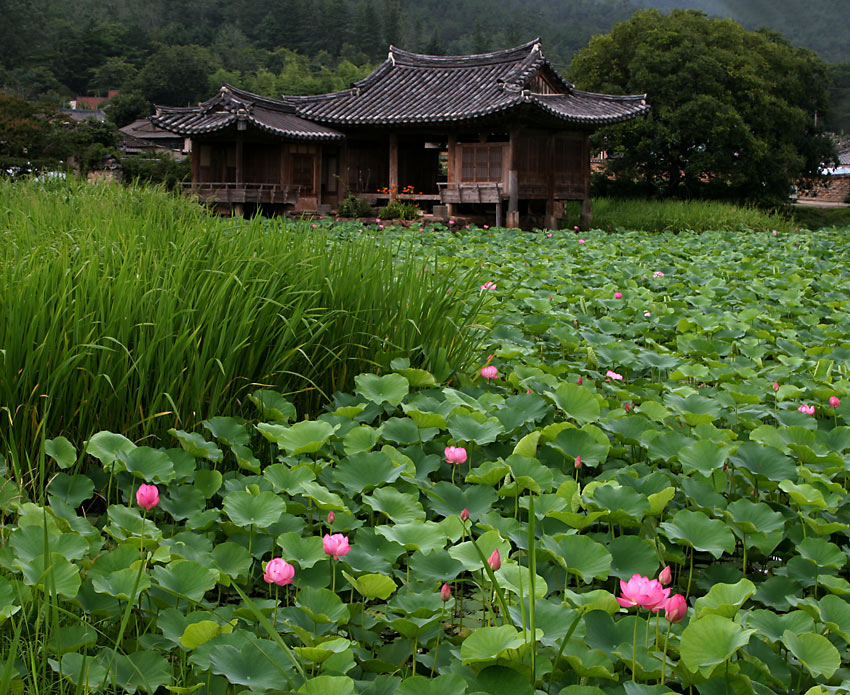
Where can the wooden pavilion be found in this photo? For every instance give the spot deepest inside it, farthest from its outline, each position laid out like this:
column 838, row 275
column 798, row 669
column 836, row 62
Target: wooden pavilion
column 500, row 129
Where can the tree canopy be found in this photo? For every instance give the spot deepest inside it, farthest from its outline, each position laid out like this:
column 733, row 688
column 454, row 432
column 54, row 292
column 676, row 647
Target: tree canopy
column 734, row 112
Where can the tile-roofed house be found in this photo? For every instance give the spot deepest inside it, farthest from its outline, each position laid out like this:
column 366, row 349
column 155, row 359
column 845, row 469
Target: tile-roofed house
column 142, row 136
column 511, row 130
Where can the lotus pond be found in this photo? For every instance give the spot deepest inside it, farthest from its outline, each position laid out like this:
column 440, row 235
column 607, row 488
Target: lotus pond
column 637, row 405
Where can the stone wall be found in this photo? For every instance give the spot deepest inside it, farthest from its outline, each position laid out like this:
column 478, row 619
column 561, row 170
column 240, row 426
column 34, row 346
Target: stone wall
column 835, row 190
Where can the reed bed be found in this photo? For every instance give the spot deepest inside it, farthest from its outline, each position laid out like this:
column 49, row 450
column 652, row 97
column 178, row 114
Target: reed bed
column 683, row 215
column 135, row 311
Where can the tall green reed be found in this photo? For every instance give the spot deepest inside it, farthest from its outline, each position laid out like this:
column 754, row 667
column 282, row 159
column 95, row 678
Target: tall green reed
column 135, row 311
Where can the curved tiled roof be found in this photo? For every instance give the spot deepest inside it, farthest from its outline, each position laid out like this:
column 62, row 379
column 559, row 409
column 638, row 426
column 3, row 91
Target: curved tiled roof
column 231, row 106
column 411, row 88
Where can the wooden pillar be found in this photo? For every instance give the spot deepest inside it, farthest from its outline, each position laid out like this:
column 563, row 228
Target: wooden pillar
column 586, row 218
column 551, row 221
column 195, row 155
column 239, row 172
column 317, row 175
column 393, row 183
column 512, row 220
column 451, row 168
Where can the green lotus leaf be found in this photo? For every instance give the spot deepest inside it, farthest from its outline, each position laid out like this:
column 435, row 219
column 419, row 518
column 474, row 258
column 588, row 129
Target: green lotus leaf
column 286, row 479
column 574, row 442
column 466, row 428
column 305, row 551
column 322, row 605
column 366, row 471
column 703, row 456
column 772, row 625
column 754, row 517
column 623, row 504
column 834, row 612
column 151, row 465
column 230, row 431
column 435, row 568
column 447, row 684
column 245, row 509
column 245, row 458
column 700, row 532
column 231, row 559
column 305, row 437
column 323, row 498
column 390, row 388
column 208, row 481
column 185, row 578
column 324, row 650
column 371, row 586
column 67, row 638
column 426, row 536
column 400, row 430
column 450, row 500
column 203, row 631
column 359, row 440
column 822, row 552
column 273, row 405
column 588, row 663
column 258, row 664
column 580, row 555
column 517, row 580
column 328, row 685
column 72, row 489
column 488, row 473
column 194, row 444
column 577, row 402
column 489, row 541
column 526, row 474
column 632, row 555
column 125, row 584
column 804, row 494
column 764, row 462
column 105, row 447
column 142, row 670
column 814, row 651
column 62, row 451
column 126, row 522
column 52, row 573
column 724, row 599
column 85, row 672
column 399, row 507
column 490, row 643
column 711, row 640
column 182, row 501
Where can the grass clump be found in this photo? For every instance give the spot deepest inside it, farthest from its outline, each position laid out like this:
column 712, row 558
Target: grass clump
column 654, row 216
column 131, row 310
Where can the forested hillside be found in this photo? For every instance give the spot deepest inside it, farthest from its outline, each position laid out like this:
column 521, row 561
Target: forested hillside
column 160, row 51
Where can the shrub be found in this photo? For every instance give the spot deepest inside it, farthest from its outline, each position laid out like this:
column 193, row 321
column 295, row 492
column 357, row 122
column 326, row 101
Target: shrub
column 352, row 206
column 397, row 210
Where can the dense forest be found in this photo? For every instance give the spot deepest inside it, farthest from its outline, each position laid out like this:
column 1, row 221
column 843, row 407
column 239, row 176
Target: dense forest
column 160, row 51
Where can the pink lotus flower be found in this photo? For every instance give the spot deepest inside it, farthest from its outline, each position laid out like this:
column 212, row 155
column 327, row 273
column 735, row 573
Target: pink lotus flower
column 628, row 407
column 665, row 576
column 336, row 545
column 147, row 496
column 774, row 232
column 445, row 592
column 377, row 220
column 675, row 608
column 279, row 571
column 807, row 409
column 643, row 592
column 464, row 515
column 775, row 386
column 575, row 227
column 495, row 560
column 489, row 372
column 486, row 226
column 581, row 241
column 618, row 295
column 614, row 375
column 451, row 221
column 647, row 314
column 489, row 285
column 834, row 401
column 579, row 381
column 578, row 462
column 455, row 454
column 548, row 234
column 331, row 517
column 658, row 274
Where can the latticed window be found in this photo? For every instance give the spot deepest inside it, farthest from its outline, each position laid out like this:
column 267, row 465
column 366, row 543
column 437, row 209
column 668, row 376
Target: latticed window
column 481, row 162
column 302, row 171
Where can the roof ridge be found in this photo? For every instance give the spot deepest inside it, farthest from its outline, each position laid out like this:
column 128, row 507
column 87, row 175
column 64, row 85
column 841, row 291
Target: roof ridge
column 400, row 56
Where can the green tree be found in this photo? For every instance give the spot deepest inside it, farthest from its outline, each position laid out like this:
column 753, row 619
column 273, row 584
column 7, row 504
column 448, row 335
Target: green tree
column 126, row 107
column 734, row 112
column 176, row 75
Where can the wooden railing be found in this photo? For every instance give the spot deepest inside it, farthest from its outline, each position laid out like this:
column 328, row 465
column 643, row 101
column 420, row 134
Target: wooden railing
column 471, row 192
column 225, row 192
